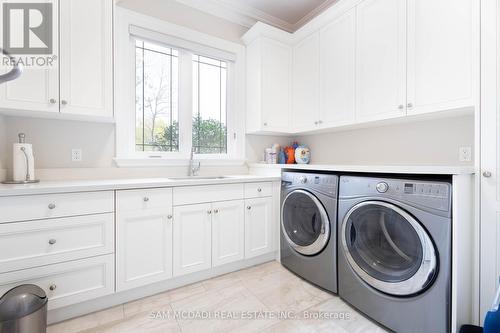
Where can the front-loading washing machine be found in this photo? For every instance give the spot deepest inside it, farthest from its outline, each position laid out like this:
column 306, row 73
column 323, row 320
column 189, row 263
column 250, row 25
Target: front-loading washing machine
column 309, row 227
column 395, row 251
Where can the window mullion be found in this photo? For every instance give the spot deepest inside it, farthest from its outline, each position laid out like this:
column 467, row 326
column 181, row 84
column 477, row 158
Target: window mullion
column 185, row 102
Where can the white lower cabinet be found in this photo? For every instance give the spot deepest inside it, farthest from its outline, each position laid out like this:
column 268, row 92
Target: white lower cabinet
column 259, row 228
column 192, row 238
column 68, row 282
column 144, row 238
column 228, row 234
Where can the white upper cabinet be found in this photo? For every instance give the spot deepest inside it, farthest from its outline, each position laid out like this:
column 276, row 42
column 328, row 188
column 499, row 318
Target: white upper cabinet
column 37, row 89
column 381, row 59
column 442, row 49
column 305, row 100
column 338, row 71
column 80, row 81
column 269, row 80
column 86, row 57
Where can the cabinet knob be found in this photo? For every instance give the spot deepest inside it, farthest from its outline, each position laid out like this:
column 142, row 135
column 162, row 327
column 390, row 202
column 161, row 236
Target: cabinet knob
column 259, row 190
column 145, row 199
column 52, row 206
column 216, row 211
column 52, row 241
column 401, row 107
column 487, row 174
column 410, row 105
column 52, row 101
column 64, row 102
column 265, row 124
column 169, row 216
column 320, row 122
column 52, row 287
column 209, row 212
column 249, row 207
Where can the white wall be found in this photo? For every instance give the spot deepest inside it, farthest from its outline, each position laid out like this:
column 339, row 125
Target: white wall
column 189, row 17
column 430, row 142
column 3, row 147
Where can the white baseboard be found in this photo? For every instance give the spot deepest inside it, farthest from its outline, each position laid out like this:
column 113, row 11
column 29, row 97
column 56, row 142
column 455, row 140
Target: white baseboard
column 76, row 310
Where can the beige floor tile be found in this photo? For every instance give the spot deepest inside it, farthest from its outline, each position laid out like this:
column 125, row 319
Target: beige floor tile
column 222, row 282
column 88, row 321
column 187, row 291
column 157, row 302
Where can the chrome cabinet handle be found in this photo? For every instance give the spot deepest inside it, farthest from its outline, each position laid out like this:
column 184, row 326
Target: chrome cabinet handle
column 259, row 190
column 52, row 241
column 209, row 212
column 52, row 206
column 169, row 216
column 487, row 174
column 216, row 211
column 64, row 102
column 249, row 207
column 145, row 199
column 52, row 287
column 52, row 101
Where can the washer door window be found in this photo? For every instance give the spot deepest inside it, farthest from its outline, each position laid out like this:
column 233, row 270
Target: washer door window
column 305, row 222
column 388, row 249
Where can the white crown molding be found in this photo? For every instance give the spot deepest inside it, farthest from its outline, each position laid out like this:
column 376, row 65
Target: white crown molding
column 247, row 16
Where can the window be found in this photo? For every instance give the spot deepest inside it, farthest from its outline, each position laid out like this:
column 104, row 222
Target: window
column 209, row 131
column 156, row 98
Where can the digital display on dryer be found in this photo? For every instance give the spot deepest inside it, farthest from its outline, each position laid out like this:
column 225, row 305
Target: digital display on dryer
column 409, row 188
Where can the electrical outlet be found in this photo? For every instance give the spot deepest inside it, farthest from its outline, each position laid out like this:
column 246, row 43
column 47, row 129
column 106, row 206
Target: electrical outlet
column 465, row 154
column 76, row 155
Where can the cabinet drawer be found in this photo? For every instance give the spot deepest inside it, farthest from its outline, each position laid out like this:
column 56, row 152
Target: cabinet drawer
column 67, row 283
column 33, row 207
column 143, row 199
column 36, row 243
column 199, row 194
column 258, row 190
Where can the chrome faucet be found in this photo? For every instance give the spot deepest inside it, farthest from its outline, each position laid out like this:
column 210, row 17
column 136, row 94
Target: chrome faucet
column 194, row 168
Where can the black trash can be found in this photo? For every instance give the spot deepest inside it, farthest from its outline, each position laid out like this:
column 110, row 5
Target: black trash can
column 23, row 309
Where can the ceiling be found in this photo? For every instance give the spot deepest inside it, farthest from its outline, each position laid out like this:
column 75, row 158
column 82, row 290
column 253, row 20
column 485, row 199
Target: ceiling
column 288, row 15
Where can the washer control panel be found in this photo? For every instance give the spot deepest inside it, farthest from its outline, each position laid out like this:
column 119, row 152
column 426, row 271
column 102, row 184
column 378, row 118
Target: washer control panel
column 322, row 182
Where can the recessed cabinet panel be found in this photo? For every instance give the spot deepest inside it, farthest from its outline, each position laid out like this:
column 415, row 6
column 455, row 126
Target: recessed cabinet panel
column 442, row 48
column 338, row 71
column 258, row 227
column 228, row 234
column 192, row 238
column 305, row 109
column 381, row 59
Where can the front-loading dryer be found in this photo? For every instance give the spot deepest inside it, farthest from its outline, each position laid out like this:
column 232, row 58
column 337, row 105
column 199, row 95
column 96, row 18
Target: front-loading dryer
column 395, row 251
column 309, row 227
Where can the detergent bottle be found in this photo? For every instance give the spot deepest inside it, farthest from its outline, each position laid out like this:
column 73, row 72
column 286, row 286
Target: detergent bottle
column 492, row 320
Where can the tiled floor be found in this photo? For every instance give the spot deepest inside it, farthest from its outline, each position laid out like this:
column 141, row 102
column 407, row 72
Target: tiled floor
column 278, row 299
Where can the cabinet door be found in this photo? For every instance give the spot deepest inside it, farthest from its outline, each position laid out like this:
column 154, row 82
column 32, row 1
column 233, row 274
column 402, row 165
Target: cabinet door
column 37, row 89
column 442, row 54
column 86, row 57
column 259, row 227
column 144, row 247
column 381, row 59
column 337, row 71
column 276, row 85
column 228, row 234
column 305, row 105
column 192, row 238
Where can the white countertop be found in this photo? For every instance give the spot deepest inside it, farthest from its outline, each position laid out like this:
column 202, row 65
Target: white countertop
column 395, row 169
column 67, row 186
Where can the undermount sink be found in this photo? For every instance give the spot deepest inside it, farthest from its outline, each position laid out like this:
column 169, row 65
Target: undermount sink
column 199, row 177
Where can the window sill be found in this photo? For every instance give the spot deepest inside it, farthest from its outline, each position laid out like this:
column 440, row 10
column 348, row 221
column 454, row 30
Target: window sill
column 173, row 162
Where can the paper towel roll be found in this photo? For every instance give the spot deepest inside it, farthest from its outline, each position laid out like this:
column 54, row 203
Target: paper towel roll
column 19, row 161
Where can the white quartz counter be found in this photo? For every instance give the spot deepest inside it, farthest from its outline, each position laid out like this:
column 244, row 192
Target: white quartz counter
column 45, row 187
column 275, row 169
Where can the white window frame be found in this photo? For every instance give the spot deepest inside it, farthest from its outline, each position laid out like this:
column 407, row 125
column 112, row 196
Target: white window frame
column 130, row 24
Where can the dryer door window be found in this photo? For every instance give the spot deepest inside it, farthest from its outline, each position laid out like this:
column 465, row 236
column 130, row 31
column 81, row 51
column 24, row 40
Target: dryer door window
column 388, row 248
column 305, row 222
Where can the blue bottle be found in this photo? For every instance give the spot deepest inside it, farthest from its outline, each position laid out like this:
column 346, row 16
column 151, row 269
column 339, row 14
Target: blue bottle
column 492, row 320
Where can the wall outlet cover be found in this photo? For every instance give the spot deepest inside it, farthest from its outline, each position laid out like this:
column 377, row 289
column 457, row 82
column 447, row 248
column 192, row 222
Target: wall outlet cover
column 76, row 155
column 465, row 154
